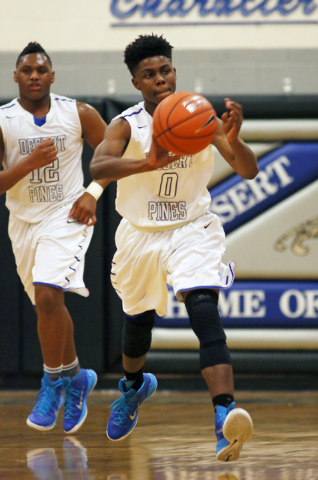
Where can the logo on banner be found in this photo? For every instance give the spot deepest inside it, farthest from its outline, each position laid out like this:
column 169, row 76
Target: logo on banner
column 183, row 12
column 298, row 236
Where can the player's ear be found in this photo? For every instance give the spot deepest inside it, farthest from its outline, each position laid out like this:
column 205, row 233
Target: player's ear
column 15, row 76
column 135, row 83
column 52, row 77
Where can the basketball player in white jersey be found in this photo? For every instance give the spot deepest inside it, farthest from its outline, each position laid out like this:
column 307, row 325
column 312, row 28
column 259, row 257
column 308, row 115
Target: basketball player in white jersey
column 168, row 235
column 51, row 222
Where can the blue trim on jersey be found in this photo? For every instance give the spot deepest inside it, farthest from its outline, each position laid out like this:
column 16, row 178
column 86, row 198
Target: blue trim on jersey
column 3, row 108
column 134, row 113
column 65, row 99
column 39, row 121
column 72, row 269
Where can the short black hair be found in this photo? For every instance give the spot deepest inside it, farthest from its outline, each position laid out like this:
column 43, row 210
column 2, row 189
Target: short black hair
column 33, row 47
column 146, row 46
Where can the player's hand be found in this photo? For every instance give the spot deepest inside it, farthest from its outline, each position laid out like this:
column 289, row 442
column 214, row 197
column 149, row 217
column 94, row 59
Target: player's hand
column 84, row 210
column 232, row 120
column 43, row 154
column 158, row 157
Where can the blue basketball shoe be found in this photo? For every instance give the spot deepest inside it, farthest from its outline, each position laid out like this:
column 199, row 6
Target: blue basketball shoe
column 232, row 428
column 124, row 411
column 47, row 404
column 76, row 391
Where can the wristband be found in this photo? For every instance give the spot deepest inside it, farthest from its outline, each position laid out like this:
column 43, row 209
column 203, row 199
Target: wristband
column 95, row 190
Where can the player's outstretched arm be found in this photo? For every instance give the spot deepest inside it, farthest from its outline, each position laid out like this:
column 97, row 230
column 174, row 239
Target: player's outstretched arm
column 241, row 158
column 43, row 154
column 108, row 162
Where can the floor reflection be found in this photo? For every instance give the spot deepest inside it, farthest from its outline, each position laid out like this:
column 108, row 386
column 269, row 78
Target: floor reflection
column 174, row 440
column 45, row 466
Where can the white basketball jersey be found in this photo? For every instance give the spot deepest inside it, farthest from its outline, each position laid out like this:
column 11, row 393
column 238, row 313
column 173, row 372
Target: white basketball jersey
column 167, row 197
column 57, row 184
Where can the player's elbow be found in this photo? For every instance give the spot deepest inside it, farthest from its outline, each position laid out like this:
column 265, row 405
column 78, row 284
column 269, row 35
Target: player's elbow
column 96, row 170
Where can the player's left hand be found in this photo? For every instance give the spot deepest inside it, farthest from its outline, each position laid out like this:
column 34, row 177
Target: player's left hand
column 84, row 209
column 232, row 120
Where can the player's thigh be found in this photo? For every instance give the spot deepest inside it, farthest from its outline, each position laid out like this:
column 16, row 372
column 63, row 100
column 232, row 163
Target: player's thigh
column 137, row 273
column 60, row 254
column 24, row 249
column 197, row 252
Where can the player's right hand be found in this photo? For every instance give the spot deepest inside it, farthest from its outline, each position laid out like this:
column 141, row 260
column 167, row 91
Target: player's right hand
column 159, row 158
column 43, row 154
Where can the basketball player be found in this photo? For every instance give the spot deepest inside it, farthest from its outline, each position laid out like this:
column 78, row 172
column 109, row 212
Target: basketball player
column 168, row 235
column 51, row 222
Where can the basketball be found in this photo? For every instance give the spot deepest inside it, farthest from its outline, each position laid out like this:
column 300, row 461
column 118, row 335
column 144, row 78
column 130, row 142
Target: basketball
column 184, row 123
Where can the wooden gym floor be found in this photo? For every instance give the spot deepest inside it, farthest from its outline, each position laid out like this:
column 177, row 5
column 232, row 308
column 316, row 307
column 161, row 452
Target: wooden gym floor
column 174, row 440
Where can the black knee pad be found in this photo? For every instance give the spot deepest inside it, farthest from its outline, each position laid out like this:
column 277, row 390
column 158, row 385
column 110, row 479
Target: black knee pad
column 137, row 334
column 202, row 307
column 217, row 353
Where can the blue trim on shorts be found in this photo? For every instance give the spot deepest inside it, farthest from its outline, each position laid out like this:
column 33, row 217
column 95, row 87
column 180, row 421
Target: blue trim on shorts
column 207, row 286
column 50, row 285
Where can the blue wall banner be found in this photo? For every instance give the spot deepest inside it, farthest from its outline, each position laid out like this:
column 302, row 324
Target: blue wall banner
column 282, row 173
column 256, row 305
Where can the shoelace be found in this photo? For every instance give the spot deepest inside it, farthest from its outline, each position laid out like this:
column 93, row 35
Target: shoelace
column 44, row 400
column 71, row 397
column 123, row 406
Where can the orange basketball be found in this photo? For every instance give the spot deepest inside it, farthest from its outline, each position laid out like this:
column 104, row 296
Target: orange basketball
column 184, row 123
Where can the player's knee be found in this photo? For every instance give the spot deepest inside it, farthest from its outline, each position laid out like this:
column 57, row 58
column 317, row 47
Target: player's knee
column 47, row 298
column 137, row 334
column 202, row 307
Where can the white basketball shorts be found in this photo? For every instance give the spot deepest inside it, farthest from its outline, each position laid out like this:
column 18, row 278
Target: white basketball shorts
column 188, row 257
column 51, row 252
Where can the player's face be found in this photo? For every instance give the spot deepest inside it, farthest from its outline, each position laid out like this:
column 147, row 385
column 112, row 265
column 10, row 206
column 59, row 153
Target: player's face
column 155, row 78
column 34, row 76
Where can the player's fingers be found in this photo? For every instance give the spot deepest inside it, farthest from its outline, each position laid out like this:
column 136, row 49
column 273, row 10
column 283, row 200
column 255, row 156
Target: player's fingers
column 225, row 117
column 84, row 216
column 93, row 221
column 77, row 213
column 72, row 210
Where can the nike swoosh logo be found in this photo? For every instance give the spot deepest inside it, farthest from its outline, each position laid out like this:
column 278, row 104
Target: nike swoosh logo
column 132, row 417
column 144, row 126
column 74, row 221
column 206, row 226
column 80, row 406
column 11, row 117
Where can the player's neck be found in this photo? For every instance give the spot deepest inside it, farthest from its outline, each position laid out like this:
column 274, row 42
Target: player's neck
column 38, row 108
column 150, row 107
